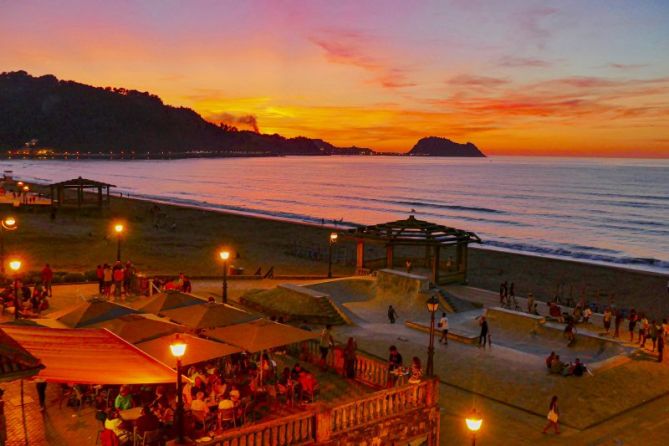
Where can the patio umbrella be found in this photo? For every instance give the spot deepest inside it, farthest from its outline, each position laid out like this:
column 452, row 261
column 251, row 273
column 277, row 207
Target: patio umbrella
column 199, row 349
column 169, row 300
column 261, row 334
column 15, row 361
column 91, row 312
column 208, row 315
column 136, row 328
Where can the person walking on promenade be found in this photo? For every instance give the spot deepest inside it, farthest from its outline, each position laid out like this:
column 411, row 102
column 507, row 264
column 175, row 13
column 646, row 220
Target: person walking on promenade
column 100, row 274
column 47, row 278
column 394, row 365
column 408, row 266
column 553, row 416
column 502, row 293
column 107, row 278
column 392, row 314
column 643, row 330
column 653, row 330
column 349, row 358
column 660, row 348
column 324, row 346
column 117, row 276
column 443, row 326
column 618, row 322
column 631, row 324
column 607, row 319
column 530, row 302
column 483, row 336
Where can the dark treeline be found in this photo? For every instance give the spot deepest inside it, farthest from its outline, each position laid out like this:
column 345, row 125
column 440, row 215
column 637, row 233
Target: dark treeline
column 69, row 116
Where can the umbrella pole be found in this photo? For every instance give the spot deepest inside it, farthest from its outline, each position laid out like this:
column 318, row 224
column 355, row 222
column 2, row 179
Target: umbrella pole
column 23, row 416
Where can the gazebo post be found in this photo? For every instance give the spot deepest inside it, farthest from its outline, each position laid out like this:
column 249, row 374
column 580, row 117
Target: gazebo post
column 435, row 264
column 465, row 254
column 389, row 255
column 100, row 197
column 108, row 196
column 360, row 256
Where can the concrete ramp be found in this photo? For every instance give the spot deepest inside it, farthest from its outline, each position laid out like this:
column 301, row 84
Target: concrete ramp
column 407, row 293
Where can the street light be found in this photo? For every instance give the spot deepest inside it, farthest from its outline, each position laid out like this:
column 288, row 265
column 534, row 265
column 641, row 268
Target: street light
column 333, row 239
column 118, row 228
column 26, row 189
column 474, row 422
column 225, row 255
column 15, row 265
column 432, row 307
column 8, row 224
column 178, row 349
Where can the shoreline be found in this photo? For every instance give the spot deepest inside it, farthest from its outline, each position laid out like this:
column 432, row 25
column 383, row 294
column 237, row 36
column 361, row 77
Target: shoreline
column 304, row 220
column 182, row 238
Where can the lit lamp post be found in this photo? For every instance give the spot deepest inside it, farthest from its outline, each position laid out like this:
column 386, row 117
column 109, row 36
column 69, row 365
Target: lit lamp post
column 15, row 266
column 333, row 240
column 225, row 255
column 432, row 307
column 26, row 189
column 474, row 422
column 178, row 348
column 8, row 224
column 118, row 229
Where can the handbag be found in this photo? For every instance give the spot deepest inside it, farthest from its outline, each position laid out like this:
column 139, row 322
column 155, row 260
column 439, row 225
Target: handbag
column 552, row 416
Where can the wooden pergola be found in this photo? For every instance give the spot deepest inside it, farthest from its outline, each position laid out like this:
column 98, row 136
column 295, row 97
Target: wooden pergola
column 413, row 232
column 80, row 185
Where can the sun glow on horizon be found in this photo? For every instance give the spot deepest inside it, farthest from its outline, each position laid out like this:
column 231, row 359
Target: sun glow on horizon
column 514, row 78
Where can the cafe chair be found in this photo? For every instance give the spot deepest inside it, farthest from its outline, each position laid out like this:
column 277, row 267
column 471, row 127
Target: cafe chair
column 225, row 416
column 154, row 437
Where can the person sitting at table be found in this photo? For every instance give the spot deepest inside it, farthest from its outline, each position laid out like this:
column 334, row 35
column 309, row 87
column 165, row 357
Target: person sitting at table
column 165, row 413
column 123, row 400
column 159, row 396
column 115, row 424
column 394, row 363
column 218, row 391
column 307, row 383
column 199, row 404
column 295, row 373
column 416, row 371
column 146, row 422
column 235, row 395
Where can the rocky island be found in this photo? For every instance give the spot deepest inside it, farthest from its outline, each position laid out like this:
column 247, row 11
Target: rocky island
column 436, row 146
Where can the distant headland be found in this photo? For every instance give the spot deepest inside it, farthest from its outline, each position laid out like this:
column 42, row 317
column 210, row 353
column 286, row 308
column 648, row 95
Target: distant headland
column 44, row 117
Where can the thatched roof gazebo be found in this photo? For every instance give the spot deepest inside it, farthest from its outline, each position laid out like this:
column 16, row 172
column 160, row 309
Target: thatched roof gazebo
column 414, row 232
column 80, row 185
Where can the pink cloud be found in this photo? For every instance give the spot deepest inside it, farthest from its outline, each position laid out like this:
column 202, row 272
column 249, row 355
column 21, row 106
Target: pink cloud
column 354, row 48
column 528, row 62
column 471, row 80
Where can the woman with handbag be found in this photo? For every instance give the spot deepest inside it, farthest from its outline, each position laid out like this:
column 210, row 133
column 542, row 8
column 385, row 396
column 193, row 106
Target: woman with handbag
column 553, row 415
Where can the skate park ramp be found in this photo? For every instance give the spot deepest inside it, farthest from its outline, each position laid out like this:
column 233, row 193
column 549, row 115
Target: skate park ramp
column 367, row 299
column 532, row 334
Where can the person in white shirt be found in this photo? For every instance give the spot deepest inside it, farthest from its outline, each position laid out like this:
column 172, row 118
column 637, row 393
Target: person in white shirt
column 443, row 326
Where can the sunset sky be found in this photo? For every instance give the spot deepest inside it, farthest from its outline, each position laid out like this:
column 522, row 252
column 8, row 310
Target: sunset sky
column 514, row 77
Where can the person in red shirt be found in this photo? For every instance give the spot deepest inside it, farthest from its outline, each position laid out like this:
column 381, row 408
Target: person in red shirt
column 117, row 275
column 47, row 278
column 100, row 274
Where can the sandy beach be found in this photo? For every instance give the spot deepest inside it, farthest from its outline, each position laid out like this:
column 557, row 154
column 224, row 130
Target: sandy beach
column 168, row 239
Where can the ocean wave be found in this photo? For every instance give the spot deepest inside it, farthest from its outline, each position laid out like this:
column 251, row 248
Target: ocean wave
column 589, row 254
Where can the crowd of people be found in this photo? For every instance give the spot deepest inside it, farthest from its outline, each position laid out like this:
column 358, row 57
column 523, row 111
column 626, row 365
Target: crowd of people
column 556, row 366
column 32, row 297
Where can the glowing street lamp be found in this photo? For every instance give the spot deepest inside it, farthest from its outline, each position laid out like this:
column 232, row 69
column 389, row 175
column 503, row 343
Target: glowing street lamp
column 333, row 239
column 15, row 265
column 474, row 422
column 8, row 224
column 178, row 349
column 225, row 255
column 432, row 306
column 118, row 229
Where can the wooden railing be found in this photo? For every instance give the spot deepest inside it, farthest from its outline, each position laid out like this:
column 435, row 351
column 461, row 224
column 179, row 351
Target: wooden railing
column 379, row 405
column 292, row 430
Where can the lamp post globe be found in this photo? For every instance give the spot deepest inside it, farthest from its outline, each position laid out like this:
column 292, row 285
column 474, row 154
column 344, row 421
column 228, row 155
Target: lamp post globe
column 118, row 229
column 8, row 224
column 432, row 306
column 224, row 256
column 15, row 266
column 474, row 422
column 178, row 349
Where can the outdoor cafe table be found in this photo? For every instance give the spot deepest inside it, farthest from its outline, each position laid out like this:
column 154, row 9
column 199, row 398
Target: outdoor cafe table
column 130, row 414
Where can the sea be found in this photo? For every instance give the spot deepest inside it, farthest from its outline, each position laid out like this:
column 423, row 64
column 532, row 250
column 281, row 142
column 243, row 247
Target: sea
column 602, row 210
